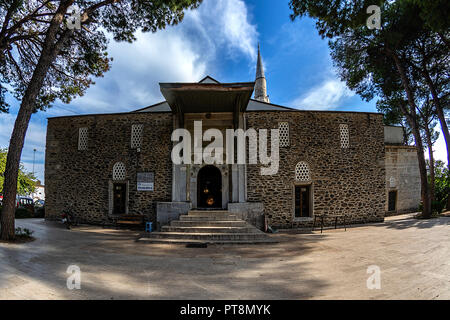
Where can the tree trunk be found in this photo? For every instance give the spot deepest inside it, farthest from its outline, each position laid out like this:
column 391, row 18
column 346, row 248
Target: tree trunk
column 50, row 49
column 412, row 119
column 441, row 116
column 431, row 156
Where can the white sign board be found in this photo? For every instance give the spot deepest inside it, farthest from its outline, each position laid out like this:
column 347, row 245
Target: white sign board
column 145, row 181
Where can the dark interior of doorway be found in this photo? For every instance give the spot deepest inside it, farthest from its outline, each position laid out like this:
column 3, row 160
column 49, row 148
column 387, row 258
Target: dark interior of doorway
column 209, row 188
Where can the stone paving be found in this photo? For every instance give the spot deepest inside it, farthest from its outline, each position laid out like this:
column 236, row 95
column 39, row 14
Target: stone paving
column 413, row 256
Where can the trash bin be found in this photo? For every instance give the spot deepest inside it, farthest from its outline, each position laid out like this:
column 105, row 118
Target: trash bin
column 148, row 227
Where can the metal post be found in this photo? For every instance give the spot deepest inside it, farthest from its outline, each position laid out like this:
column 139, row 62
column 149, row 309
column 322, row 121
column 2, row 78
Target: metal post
column 34, row 157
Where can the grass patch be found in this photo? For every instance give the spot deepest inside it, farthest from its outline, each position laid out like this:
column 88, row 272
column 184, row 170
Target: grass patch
column 23, row 235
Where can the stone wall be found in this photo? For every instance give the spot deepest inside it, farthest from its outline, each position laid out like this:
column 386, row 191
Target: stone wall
column 350, row 181
column 252, row 212
column 82, row 178
column 402, row 175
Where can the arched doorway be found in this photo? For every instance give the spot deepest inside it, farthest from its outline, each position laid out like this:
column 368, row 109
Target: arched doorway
column 209, row 188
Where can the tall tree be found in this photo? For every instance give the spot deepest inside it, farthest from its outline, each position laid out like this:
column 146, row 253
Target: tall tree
column 48, row 51
column 429, row 57
column 428, row 123
column 376, row 62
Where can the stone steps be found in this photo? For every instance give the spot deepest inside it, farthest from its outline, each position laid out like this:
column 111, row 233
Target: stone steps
column 208, row 218
column 202, row 226
column 209, row 235
column 206, row 223
column 189, row 241
column 207, row 229
column 203, row 213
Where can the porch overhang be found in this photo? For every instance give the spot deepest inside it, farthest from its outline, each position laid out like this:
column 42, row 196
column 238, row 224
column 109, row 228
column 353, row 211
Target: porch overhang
column 207, row 97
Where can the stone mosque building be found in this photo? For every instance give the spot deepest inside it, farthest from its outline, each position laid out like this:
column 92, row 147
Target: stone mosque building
column 104, row 166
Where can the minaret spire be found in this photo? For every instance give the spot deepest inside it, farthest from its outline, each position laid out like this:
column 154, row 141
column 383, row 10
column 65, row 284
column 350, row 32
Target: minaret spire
column 260, row 81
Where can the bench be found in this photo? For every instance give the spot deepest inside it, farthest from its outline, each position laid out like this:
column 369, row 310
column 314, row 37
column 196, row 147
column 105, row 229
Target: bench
column 130, row 220
column 322, row 216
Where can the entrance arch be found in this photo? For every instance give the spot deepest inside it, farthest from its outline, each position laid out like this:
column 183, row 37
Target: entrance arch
column 209, row 188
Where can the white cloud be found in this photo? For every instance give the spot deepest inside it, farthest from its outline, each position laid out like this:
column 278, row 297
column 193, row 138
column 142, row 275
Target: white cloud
column 328, row 95
column 225, row 23
column 182, row 53
column 137, row 68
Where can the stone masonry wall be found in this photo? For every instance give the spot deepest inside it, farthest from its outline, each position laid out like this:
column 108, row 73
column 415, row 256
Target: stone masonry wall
column 403, row 166
column 350, row 181
column 82, row 177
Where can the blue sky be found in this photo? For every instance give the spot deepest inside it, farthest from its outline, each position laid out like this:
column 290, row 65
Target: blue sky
column 218, row 39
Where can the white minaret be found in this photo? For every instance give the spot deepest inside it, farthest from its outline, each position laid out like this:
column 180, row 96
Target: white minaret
column 260, row 81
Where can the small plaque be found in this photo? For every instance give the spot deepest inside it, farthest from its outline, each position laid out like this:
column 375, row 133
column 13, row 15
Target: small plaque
column 145, row 181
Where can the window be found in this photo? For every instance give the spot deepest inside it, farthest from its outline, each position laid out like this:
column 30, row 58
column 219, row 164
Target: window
column 283, row 130
column 392, row 201
column 302, row 203
column 302, row 172
column 343, row 128
column 136, row 135
column 82, row 138
column 119, row 171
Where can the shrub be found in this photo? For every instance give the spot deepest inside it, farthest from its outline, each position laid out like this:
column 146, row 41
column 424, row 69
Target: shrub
column 39, row 212
column 22, row 213
column 23, row 235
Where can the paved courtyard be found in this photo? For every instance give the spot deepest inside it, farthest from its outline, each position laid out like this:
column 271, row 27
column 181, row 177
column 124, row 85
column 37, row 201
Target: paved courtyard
column 413, row 256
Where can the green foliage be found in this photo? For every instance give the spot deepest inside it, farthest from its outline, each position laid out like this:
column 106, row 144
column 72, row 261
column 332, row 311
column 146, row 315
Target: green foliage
column 442, row 184
column 23, row 213
column 435, row 13
column 24, row 233
column 23, row 31
column 26, row 182
column 39, row 212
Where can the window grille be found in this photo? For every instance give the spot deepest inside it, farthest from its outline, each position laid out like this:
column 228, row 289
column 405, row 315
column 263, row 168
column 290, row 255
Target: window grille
column 302, row 172
column 136, row 135
column 119, row 171
column 392, row 182
column 343, row 128
column 82, row 138
column 283, row 129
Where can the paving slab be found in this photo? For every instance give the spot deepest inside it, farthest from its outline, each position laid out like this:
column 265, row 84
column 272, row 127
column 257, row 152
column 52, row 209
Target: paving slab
column 413, row 257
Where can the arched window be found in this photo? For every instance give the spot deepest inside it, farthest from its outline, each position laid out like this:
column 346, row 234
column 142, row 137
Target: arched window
column 119, row 171
column 302, row 172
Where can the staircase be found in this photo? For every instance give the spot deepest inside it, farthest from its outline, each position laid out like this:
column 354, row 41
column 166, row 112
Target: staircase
column 203, row 226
